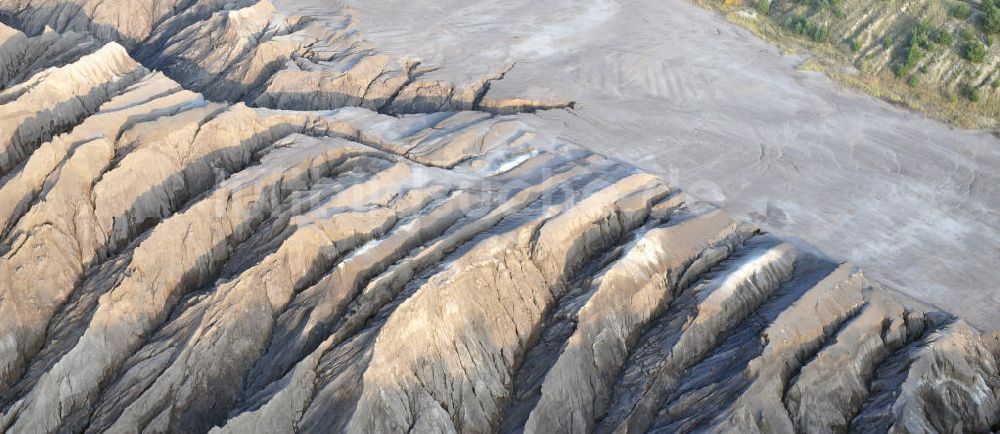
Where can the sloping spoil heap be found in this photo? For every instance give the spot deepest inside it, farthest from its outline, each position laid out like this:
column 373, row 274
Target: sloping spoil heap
column 172, row 263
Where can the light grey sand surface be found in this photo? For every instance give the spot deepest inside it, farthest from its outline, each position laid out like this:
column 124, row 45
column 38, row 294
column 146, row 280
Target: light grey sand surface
column 352, row 246
column 677, row 90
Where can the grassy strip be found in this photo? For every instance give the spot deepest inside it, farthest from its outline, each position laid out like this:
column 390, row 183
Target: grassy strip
column 902, row 84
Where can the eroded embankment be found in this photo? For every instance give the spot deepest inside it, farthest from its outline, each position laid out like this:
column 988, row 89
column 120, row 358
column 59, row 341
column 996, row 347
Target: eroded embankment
column 248, row 51
column 170, row 263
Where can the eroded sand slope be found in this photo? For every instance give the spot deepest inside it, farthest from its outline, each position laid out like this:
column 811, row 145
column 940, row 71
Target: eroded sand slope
column 188, row 247
column 678, row 91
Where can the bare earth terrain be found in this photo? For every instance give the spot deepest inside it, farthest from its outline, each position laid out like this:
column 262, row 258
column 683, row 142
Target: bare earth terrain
column 245, row 216
column 676, row 90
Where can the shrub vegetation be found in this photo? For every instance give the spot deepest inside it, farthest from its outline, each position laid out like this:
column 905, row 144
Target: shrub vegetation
column 913, row 53
column 802, row 25
column 973, row 50
column 969, row 92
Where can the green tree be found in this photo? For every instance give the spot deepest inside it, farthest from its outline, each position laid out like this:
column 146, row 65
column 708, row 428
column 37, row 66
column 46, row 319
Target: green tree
column 764, row 7
column 942, row 37
column 802, row 25
column 913, row 53
column 961, row 11
column 920, row 36
column 820, row 33
column 974, row 51
column 991, row 18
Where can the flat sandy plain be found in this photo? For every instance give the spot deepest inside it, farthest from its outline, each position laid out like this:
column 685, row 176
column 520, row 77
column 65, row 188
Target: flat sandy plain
column 678, row 91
